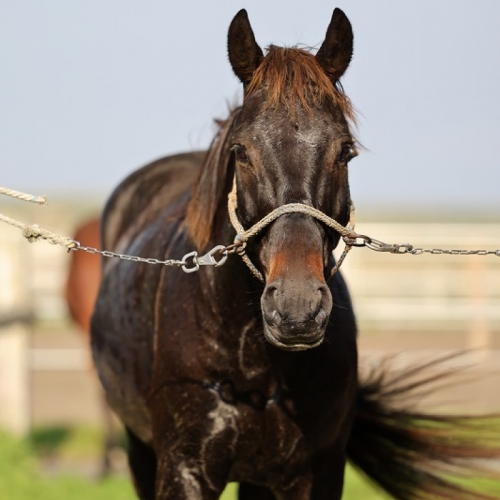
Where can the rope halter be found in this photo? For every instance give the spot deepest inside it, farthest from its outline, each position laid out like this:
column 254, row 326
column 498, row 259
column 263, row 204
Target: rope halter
column 242, row 235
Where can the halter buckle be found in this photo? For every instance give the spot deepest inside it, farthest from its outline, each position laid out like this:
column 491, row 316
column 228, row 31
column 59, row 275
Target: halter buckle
column 380, row 246
column 209, row 260
column 205, row 260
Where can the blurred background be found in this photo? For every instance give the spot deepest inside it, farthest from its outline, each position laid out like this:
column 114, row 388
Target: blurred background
column 91, row 90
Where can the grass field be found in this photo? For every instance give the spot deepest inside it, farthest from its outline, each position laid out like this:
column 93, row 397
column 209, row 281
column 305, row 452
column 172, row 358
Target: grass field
column 25, row 475
column 22, row 475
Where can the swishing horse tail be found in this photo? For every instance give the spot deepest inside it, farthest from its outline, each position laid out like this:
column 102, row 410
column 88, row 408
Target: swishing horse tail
column 422, row 456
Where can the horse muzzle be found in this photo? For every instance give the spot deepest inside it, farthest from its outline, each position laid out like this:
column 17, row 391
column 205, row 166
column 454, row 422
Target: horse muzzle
column 295, row 315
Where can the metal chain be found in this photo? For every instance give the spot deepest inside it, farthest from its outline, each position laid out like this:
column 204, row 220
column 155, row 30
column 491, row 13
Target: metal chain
column 440, row 251
column 190, row 263
column 404, row 248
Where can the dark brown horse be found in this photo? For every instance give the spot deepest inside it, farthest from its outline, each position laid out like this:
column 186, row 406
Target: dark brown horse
column 220, row 377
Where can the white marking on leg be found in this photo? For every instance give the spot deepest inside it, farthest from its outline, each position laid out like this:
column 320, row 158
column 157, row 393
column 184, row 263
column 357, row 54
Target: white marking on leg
column 190, row 484
column 223, row 417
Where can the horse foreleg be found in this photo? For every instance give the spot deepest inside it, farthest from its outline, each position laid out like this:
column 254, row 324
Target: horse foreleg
column 142, row 463
column 328, row 475
column 324, row 481
column 181, row 478
column 195, row 449
column 248, row 491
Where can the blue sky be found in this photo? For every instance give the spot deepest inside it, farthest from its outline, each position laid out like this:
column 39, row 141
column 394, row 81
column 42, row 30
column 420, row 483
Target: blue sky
column 92, row 89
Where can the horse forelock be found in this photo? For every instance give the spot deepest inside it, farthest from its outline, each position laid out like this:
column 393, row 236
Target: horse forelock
column 210, row 188
column 292, row 74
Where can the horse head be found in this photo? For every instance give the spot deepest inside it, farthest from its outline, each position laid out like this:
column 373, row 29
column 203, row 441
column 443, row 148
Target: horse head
column 291, row 143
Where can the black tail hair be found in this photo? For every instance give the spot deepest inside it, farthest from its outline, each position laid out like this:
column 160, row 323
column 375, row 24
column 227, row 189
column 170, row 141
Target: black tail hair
column 420, row 456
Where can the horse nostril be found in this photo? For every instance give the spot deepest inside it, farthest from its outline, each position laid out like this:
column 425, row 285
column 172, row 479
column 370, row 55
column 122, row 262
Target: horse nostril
column 270, row 292
column 270, row 306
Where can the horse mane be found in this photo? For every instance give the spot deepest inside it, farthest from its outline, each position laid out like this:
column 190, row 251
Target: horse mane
column 286, row 75
column 211, row 185
column 291, row 73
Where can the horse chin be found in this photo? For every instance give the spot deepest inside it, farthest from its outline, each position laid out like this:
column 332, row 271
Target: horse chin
column 292, row 345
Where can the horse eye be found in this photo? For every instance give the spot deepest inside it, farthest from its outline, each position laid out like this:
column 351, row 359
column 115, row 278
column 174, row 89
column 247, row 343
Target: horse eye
column 347, row 153
column 240, row 153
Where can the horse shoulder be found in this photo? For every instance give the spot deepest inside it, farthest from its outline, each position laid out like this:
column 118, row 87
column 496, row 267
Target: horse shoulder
column 123, row 321
column 150, row 188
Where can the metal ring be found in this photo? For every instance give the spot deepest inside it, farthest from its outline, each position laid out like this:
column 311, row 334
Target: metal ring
column 351, row 240
column 191, row 255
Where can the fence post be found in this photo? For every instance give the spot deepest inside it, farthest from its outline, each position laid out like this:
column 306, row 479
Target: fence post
column 14, row 335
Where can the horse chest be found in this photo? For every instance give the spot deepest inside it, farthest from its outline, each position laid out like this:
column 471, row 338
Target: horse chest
column 258, row 442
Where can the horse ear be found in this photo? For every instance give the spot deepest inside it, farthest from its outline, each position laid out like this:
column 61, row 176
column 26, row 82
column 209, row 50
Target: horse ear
column 335, row 54
column 244, row 53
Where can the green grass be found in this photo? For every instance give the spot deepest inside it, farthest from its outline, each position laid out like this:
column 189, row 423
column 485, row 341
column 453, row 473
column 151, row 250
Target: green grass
column 21, row 476
column 358, row 488
column 69, row 442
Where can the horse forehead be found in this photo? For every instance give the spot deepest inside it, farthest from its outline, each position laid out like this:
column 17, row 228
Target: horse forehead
column 289, row 131
column 302, row 124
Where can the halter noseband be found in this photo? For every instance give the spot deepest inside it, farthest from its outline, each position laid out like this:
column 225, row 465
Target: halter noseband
column 242, row 235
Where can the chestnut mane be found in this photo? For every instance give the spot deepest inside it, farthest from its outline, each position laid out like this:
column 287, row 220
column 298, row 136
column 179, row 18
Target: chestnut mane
column 211, row 186
column 287, row 75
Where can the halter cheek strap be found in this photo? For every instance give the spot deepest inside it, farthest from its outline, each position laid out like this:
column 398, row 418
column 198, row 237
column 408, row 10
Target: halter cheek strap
column 242, row 235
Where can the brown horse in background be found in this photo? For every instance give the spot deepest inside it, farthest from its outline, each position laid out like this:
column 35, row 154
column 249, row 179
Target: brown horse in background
column 84, row 275
column 82, row 287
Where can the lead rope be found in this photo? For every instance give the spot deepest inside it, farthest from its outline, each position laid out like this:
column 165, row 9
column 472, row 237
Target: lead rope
column 242, row 235
column 32, row 232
